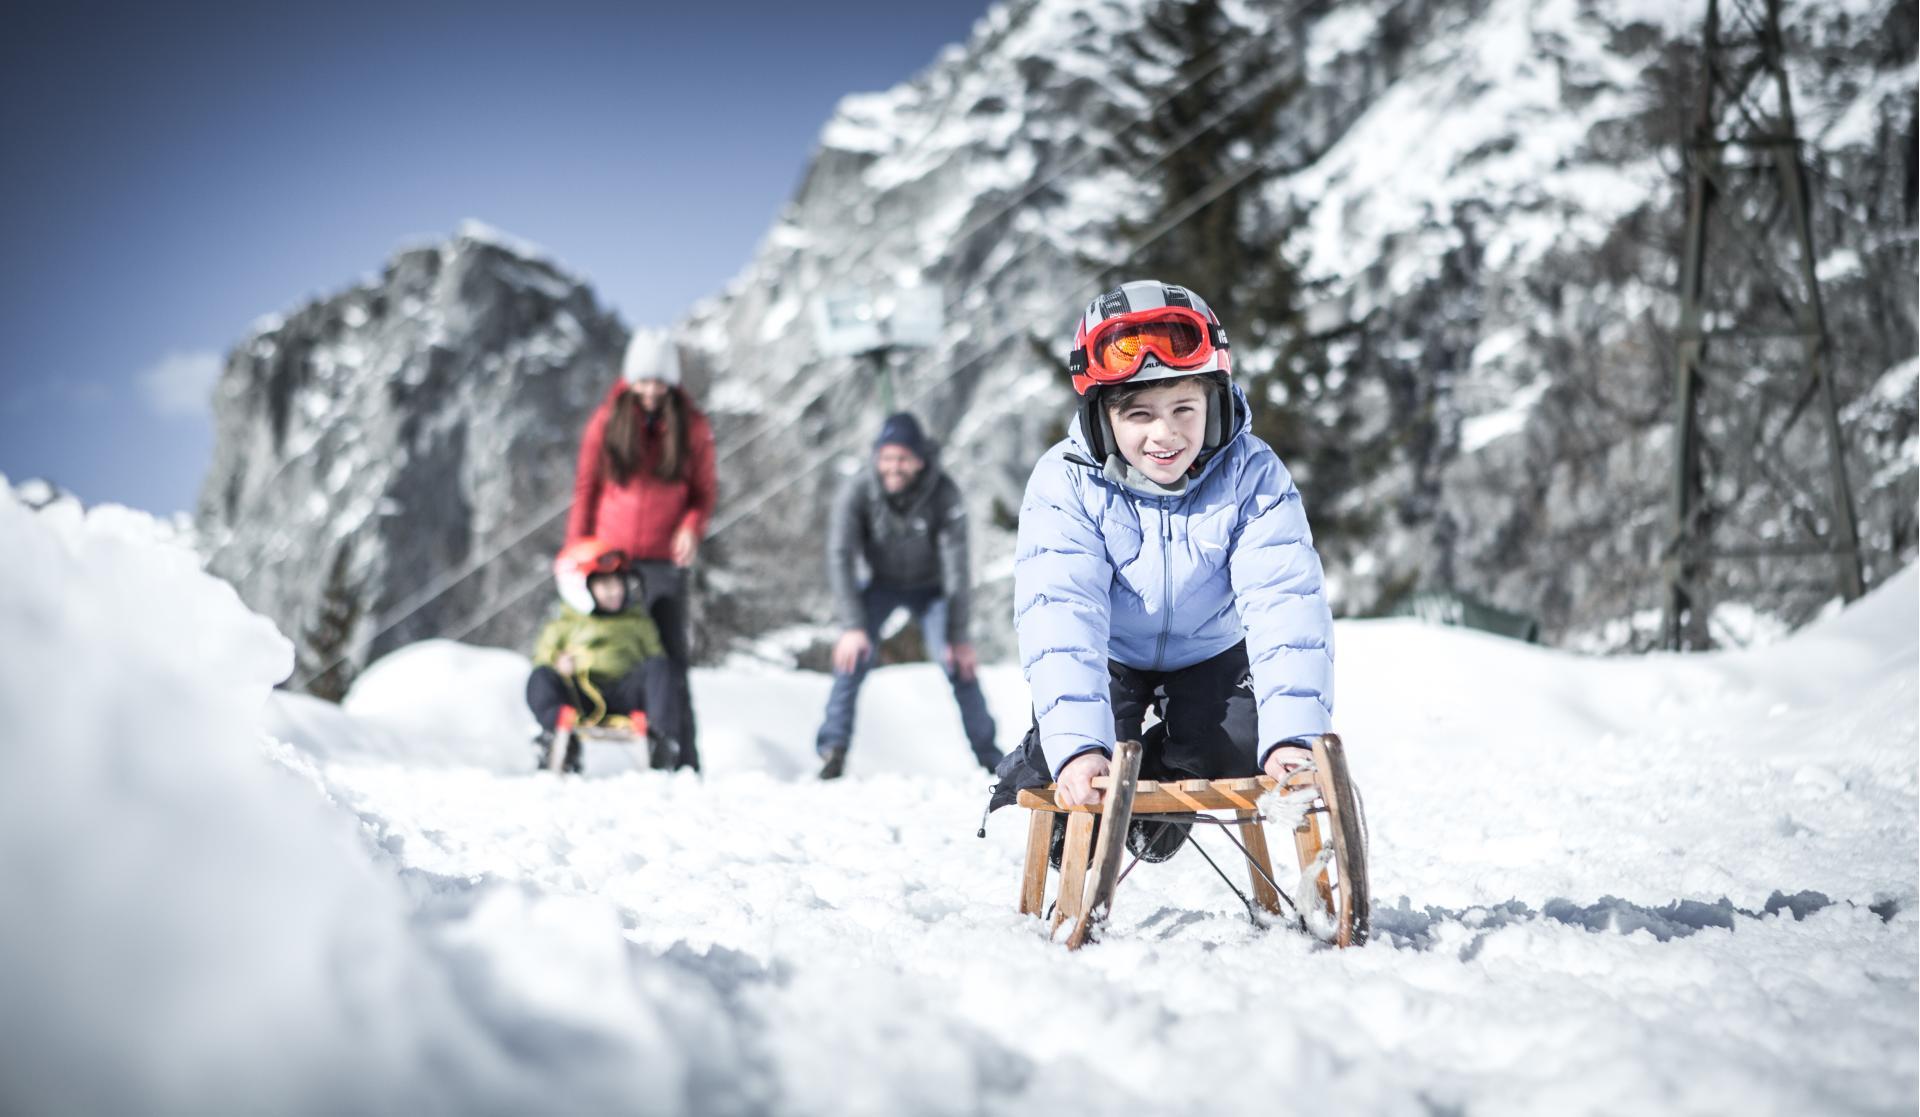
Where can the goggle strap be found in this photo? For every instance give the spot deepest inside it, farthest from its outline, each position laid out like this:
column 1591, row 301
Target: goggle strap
column 1076, row 361
column 1218, row 335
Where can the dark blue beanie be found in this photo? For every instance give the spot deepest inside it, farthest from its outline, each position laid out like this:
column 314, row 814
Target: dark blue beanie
column 902, row 429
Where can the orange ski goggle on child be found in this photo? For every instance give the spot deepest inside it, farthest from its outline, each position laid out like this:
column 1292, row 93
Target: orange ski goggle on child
column 1180, row 337
column 590, row 556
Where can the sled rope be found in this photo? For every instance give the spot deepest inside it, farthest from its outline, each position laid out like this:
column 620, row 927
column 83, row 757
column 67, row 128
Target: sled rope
column 593, row 695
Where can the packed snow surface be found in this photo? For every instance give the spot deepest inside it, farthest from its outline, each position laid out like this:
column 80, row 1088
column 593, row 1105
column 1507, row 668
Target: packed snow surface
column 1648, row 885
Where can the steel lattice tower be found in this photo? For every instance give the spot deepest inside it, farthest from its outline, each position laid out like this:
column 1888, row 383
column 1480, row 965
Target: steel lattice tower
column 1753, row 355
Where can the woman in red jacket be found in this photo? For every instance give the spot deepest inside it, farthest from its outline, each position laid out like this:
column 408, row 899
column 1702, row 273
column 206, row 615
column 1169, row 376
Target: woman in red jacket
column 645, row 485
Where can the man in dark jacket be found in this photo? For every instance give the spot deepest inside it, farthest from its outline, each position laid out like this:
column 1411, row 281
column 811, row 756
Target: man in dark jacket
column 905, row 518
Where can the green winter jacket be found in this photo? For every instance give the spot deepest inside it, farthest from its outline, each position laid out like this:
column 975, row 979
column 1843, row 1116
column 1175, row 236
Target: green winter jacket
column 603, row 648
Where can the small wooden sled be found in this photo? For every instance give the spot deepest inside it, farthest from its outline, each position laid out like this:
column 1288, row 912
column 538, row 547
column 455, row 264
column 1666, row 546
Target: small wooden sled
column 615, row 730
column 1331, row 842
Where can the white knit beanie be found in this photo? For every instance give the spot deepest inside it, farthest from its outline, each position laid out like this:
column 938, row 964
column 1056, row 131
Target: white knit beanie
column 651, row 356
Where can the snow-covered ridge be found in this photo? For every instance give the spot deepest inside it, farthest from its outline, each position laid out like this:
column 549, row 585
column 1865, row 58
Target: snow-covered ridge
column 1483, row 117
column 473, row 229
column 1603, row 885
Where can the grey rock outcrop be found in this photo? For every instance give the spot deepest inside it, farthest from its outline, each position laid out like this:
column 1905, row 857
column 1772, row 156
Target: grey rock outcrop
column 395, row 462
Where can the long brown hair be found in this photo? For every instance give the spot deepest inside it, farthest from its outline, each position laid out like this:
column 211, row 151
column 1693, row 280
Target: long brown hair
column 630, row 445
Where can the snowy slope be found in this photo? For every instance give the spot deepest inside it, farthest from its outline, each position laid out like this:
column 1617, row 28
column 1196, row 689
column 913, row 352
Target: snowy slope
column 1654, row 885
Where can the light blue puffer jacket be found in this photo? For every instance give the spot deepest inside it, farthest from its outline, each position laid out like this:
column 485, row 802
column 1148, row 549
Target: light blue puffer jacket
column 1159, row 583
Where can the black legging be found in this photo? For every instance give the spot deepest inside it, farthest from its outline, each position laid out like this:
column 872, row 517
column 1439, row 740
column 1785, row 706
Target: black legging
column 666, row 590
column 1209, row 728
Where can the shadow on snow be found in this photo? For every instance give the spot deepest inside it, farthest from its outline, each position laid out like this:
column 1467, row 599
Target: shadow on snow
column 1405, row 927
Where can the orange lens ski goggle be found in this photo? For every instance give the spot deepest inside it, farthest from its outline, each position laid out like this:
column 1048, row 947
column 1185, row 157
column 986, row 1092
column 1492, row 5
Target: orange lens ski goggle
column 1182, row 338
column 609, row 563
column 581, row 559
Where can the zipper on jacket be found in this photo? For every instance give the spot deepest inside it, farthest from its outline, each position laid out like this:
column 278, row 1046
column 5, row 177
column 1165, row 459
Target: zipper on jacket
column 1166, row 584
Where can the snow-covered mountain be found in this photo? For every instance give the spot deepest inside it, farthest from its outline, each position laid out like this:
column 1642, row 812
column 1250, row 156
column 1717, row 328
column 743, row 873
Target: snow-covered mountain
column 1659, row 884
column 1444, row 236
column 395, row 461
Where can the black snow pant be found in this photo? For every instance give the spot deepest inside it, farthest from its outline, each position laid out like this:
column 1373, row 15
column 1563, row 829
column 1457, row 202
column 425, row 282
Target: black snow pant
column 650, row 688
column 1208, row 729
column 666, row 589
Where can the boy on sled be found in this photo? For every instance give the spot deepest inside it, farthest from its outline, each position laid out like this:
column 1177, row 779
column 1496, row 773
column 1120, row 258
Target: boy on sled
column 1164, row 561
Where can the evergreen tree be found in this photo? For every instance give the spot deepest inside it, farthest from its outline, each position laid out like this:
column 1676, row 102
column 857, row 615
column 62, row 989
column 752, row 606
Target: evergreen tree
column 330, row 638
column 1206, row 156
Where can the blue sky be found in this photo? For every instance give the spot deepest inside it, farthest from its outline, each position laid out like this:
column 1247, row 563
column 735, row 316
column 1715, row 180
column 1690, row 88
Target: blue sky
column 172, row 172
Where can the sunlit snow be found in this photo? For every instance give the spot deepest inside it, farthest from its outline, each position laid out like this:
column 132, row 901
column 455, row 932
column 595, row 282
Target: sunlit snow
column 1655, row 884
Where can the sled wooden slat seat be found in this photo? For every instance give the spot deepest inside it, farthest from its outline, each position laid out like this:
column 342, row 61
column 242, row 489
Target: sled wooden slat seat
column 616, row 729
column 613, row 729
column 1173, row 796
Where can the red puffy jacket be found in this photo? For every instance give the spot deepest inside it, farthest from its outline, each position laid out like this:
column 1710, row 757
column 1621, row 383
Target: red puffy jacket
column 641, row 516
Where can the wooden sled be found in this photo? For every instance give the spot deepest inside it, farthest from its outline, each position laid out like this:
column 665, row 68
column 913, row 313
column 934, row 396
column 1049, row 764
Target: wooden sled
column 1330, row 843
column 615, row 730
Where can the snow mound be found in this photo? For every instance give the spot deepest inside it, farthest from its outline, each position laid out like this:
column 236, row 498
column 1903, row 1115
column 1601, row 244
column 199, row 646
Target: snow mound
column 446, row 704
column 191, row 928
column 447, row 700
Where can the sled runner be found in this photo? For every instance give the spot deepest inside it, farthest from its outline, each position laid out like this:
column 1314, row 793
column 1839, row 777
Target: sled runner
column 617, row 730
column 1330, row 843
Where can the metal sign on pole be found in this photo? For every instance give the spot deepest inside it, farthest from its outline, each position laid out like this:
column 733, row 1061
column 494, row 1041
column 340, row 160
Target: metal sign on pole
column 860, row 322
column 1753, row 356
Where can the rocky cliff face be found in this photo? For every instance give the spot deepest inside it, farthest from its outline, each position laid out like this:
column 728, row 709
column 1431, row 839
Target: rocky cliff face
column 1444, row 235
column 395, row 462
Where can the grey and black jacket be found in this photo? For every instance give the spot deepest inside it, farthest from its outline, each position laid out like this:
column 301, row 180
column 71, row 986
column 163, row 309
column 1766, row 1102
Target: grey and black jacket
column 914, row 540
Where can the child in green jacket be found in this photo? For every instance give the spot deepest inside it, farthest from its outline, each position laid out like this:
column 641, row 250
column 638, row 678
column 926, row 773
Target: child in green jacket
column 602, row 657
